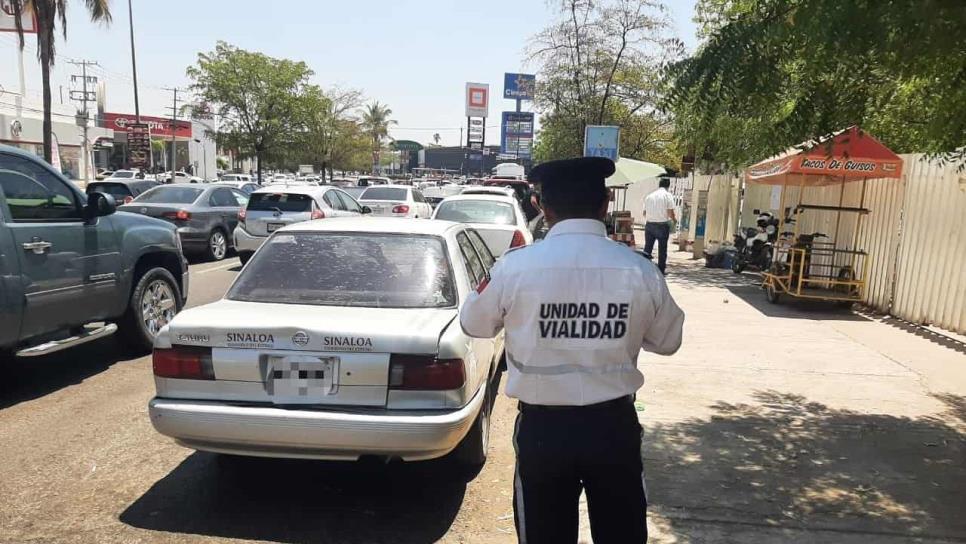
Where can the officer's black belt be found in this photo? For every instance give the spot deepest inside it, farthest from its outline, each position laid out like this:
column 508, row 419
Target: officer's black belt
column 606, row 405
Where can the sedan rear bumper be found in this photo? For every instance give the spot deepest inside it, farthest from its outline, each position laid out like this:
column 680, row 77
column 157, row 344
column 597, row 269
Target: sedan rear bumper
column 312, row 434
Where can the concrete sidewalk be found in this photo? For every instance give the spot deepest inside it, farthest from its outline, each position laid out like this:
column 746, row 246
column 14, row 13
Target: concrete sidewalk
column 800, row 423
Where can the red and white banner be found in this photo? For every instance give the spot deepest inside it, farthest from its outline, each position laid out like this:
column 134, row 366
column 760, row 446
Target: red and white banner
column 159, row 126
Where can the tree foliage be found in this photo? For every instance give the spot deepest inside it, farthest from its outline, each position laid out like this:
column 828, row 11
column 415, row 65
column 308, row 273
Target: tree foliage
column 773, row 73
column 597, row 65
column 258, row 98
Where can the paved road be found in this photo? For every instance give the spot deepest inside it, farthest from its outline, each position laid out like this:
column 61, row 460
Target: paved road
column 81, row 463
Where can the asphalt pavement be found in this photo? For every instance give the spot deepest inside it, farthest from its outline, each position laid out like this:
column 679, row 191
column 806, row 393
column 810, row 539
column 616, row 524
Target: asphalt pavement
column 781, row 423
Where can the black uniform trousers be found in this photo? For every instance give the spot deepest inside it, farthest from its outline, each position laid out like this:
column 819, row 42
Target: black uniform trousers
column 563, row 449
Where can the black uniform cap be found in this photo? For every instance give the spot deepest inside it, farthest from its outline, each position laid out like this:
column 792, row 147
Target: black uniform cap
column 573, row 173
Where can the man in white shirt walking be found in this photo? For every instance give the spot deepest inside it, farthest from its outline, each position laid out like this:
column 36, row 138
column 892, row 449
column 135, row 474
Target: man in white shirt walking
column 577, row 308
column 658, row 215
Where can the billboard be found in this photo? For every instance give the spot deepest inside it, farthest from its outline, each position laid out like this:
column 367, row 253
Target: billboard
column 477, row 99
column 519, row 86
column 602, row 141
column 8, row 24
column 139, row 144
column 516, row 134
column 159, row 126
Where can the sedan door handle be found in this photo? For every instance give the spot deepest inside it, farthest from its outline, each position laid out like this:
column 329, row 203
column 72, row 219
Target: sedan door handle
column 37, row 246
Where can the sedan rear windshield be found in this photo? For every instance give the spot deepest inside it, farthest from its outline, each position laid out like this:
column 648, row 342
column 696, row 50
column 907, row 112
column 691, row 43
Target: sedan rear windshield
column 476, row 211
column 118, row 190
column 384, row 193
column 171, row 195
column 283, row 202
column 123, row 174
column 349, row 269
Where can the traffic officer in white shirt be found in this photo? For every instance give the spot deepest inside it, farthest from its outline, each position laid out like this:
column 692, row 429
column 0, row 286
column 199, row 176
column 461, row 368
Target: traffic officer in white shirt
column 577, row 309
column 658, row 214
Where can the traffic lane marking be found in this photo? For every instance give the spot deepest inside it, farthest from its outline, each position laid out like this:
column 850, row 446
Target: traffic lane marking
column 220, row 267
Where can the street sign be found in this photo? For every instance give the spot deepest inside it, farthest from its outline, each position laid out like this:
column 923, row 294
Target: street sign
column 477, row 99
column 516, row 133
column 519, row 86
column 476, row 145
column 407, row 145
column 602, row 141
column 8, row 23
column 139, row 145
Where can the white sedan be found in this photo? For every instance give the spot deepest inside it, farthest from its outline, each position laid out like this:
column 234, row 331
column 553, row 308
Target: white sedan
column 497, row 217
column 340, row 339
column 396, row 201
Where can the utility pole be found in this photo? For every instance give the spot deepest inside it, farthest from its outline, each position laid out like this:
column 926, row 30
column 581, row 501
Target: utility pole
column 84, row 96
column 134, row 64
column 174, row 126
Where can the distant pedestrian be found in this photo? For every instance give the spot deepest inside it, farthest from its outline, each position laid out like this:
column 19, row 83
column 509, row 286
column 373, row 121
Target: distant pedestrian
column 658, row 215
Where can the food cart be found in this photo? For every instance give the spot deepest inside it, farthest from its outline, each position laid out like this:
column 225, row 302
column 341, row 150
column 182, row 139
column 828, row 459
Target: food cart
column 619, row 221
column 818, row 265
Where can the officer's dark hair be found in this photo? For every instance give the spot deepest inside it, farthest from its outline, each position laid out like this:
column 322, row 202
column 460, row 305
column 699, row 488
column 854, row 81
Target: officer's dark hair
column 574, row 201
column 664, row 182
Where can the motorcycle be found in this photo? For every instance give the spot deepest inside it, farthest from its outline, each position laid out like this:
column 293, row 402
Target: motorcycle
column 755, row 245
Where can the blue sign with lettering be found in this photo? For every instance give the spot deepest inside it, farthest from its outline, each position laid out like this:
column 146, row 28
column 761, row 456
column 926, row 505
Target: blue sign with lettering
column 602, row 141
column 519, row 86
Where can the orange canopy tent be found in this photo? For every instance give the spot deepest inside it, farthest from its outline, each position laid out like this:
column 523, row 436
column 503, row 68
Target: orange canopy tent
column 847, row 155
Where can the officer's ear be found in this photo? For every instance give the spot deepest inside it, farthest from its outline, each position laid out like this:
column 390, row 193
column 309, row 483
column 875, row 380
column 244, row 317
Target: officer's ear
column 602, row 211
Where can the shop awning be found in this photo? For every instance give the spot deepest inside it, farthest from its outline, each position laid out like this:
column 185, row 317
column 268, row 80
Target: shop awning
column 628, row 171
column 848, row 155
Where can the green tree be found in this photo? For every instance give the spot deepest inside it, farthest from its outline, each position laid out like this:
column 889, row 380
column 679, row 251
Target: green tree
column 598, row 63
column 48, row 13
column 773, row 73
column 259, row 98
column 325, row 116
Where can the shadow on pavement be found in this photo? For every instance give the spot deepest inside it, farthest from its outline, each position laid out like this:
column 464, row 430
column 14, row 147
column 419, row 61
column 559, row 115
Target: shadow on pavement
column 797, row 467
column 28, row 378
column 303, row 501
column 790, row 308
column 935, row 337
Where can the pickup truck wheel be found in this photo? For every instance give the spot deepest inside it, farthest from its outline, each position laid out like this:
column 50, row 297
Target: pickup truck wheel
column 471, row 452
column 154, row 302
column 217, row 245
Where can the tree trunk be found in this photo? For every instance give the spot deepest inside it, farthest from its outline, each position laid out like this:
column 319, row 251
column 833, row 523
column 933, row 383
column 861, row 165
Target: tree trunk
column 258, row 163
column 45, row 76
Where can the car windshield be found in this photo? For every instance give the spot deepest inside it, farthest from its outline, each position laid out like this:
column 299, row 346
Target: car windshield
column 384, row 193
column 284, row 202
column 170, row 195
column 123, row 175
column 476, row 211
column 349, row 269
column 118, row 190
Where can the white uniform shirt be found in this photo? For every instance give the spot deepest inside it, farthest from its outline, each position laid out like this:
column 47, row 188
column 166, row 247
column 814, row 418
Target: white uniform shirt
column 577, row 308
column 656, row 206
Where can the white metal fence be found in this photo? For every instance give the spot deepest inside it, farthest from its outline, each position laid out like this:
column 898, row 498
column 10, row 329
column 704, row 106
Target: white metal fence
column 915, row 234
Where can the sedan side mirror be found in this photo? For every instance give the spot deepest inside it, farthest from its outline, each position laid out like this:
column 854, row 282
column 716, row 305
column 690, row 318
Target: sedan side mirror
column 98, row 205
column 366, row 210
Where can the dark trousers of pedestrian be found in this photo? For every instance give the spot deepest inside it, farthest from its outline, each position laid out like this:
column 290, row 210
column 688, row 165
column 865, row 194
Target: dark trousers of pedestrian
column 660, row 232
column 563, row 450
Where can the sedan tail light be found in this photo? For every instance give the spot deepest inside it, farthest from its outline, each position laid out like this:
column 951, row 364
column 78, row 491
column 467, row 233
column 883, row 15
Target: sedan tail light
column 318, row 214
column 183, row 362
column 425, row 373
column 518, row 239
column 180, row 215
column 401, row 208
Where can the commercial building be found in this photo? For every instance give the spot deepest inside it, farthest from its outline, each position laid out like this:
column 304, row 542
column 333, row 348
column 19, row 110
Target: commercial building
column 190, row 141
column 460, row 159
column 26, row 131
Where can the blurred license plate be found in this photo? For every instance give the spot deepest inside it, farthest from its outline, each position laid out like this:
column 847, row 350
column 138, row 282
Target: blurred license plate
column 302, row 379
column 272, row 227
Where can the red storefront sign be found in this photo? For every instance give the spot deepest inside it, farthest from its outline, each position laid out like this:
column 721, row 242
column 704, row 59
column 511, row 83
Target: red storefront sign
column 159, row 126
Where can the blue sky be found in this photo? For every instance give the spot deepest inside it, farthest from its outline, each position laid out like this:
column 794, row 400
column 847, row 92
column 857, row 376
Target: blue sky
column 413, row 55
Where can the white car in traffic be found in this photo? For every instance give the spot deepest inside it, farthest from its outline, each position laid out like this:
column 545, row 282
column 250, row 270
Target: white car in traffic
column 497, row 217
column 277, row 206
column 396, row 201
column 339, row 340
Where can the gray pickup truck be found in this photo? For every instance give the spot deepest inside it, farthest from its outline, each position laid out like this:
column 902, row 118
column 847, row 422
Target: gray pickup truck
column 72, row 270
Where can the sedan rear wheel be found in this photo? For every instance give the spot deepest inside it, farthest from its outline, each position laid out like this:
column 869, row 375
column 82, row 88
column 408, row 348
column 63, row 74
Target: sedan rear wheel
column 471, row 452
column 217, row 245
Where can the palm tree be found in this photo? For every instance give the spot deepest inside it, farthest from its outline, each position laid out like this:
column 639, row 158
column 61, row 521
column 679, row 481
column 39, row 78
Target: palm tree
column 436, row 138
column 48, row 12
column 376, row 121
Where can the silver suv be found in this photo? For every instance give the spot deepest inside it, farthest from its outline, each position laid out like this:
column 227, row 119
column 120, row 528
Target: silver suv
column 273, row 207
